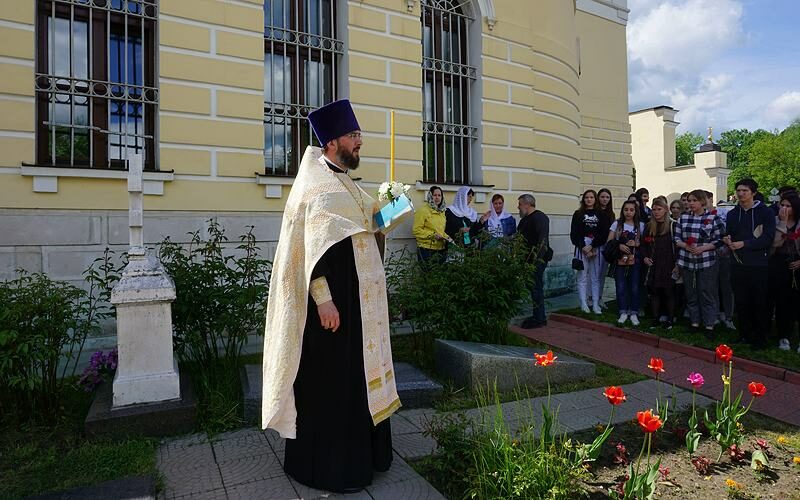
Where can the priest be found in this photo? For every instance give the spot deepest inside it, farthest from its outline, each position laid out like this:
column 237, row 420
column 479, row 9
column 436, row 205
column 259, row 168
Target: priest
column 328, row 376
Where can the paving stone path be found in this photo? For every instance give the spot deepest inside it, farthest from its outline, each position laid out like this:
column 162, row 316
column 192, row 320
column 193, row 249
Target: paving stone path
column 248, row 463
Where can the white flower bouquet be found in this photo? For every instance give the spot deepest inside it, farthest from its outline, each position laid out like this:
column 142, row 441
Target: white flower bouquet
column 398, row 208
column 389, row 191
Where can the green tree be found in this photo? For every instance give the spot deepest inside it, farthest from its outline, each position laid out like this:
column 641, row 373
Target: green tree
column 737, row 144
column 685, row 146
column 774, row 159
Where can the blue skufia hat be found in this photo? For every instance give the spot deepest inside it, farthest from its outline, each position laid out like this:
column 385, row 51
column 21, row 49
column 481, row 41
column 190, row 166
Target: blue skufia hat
column 333, row 121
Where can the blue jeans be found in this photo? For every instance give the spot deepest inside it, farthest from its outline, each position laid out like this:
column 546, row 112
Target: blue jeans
column 627, row 278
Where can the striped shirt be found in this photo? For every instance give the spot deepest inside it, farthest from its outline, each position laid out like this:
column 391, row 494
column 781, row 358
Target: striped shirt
column 699, row 230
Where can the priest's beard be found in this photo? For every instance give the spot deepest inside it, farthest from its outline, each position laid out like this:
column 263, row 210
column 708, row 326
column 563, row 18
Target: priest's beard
column 347, row 159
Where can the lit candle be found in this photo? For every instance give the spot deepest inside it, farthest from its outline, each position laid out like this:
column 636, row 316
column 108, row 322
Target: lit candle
column 391, row 148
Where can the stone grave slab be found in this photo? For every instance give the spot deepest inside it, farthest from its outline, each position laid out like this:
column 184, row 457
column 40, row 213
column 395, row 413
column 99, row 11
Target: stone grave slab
column 474, row 365
column 415, row 389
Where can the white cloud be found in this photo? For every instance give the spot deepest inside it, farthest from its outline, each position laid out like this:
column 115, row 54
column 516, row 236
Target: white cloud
column 685, row 35
column 672, row 49
column 783, row 110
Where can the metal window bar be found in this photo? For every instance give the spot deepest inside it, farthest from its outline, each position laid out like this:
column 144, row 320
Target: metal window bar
column 81, row 92
column 447, row 78
column 299, row 39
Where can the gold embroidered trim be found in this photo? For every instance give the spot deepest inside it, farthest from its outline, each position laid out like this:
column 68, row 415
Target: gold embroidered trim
column 320, row 291
column 387, row 412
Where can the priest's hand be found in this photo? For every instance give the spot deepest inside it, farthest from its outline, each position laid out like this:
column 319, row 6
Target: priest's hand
column 328, row 315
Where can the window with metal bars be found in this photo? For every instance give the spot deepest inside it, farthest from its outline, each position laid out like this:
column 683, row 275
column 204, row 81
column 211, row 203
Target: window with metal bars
column 447, row 79
column 96, row 94
column 300, row 59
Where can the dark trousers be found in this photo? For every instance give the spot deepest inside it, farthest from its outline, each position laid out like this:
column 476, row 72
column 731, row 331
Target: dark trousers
column 750, row 290
column 785, row 297
column 537, row 295
column 433, row 256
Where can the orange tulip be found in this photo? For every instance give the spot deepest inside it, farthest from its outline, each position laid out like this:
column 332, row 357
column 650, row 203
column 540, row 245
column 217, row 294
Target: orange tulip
column 615, row 395
column 545, row 359
column 724, row 353
column 657, row 365
column 648, row 421
column 757, row 389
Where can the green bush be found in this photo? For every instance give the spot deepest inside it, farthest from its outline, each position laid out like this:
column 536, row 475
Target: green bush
column 221, row 299
column 39, row 320
column 471, row 297
column 43, row 327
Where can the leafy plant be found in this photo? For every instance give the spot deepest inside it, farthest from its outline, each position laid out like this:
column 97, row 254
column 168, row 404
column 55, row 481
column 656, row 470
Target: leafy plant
column 725, row 427
column 221, row 299
column 471, row 297
column 39, row 319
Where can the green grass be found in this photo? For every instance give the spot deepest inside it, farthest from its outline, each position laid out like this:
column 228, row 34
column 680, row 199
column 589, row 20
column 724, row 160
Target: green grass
column 41, row 458
column 683, row 333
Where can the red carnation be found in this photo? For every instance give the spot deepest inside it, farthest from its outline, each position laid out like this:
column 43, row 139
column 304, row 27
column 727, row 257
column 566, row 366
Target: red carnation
column 691, row 240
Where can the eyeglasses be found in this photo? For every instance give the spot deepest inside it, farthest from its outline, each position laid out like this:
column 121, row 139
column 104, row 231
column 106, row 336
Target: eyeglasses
column 354, row 135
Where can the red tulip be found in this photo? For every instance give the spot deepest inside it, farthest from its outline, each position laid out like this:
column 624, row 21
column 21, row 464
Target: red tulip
column 545, row 359
column 615, row 395
column 657, row 365
column 648, row 421
column 724, row 353
column 757, row 389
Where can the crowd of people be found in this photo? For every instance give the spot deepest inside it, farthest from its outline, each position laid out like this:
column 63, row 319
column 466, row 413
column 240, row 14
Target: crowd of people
column 690, row 258
column 437, row 224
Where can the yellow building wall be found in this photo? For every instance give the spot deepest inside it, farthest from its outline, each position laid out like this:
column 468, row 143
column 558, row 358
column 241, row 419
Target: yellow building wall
column 554, row 109
column 17, row 108
column 605, row 132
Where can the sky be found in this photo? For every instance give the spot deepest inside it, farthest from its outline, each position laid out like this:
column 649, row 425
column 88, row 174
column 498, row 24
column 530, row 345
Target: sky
column 727, row 64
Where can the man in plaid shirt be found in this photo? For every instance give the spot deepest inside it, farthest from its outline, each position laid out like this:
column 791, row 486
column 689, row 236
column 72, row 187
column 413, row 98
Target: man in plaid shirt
column 698, row 235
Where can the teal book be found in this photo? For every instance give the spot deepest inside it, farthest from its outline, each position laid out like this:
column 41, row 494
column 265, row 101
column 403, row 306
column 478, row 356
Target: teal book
column 390, row 216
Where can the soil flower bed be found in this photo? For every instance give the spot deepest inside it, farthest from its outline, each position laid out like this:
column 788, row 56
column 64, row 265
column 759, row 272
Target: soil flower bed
column 727, row 452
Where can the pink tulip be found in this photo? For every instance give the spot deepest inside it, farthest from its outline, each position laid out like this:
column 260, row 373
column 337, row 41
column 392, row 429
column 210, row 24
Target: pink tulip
column 696, row 380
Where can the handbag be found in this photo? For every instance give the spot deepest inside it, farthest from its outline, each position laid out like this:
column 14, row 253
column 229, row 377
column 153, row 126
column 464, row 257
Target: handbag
column 577, row 264
column 611, row 251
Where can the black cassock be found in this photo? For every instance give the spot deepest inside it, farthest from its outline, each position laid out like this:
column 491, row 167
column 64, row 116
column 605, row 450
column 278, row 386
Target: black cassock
column 337, row 446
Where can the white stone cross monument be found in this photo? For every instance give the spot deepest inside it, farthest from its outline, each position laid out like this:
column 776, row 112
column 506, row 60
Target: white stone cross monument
column 146, row 371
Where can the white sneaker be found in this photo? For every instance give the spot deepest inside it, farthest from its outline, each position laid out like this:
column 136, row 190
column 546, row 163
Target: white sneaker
column 798, row 349
column 729, row 324
column 634, row 320
column 783, row 345
column 662, row 318
column 585, row 308
column 596, row 309
column 603, row 306
column 622, row 318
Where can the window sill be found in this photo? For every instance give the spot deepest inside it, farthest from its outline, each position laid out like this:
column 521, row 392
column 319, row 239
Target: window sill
column 45, row 179
column 480, row 191
column 274, row 184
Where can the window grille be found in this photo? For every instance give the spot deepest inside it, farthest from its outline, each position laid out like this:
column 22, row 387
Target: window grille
column 96, row 96
column 447, row 83
column 300, row 58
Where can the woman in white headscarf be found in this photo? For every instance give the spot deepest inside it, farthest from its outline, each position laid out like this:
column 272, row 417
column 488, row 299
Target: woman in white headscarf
column 463, row 223
column 500, row 223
